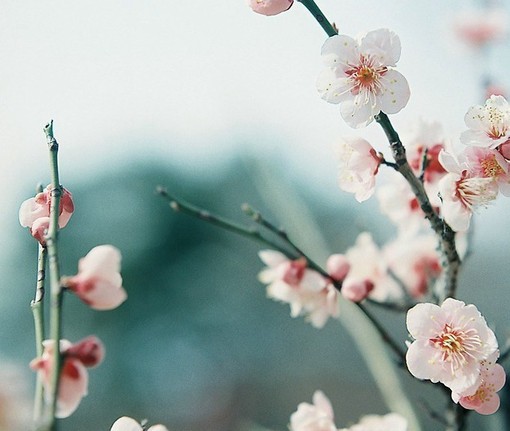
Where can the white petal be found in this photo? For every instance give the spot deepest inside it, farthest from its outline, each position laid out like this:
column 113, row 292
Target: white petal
column 332, row 88
column 339, row 51
column 272, row 258
column 395, row 92
column 383, row 44
column 126, row 424
column 357, row 112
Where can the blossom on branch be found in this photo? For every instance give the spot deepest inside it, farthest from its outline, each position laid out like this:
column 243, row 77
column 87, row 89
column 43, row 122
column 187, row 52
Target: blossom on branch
column 313, row 417
column 270, row 7
column 368, row 275
column 462, row 191
column 358, row 165
column 451, row 340
column 485, row 399
column 305, row 290
column 98, row 282
column 128, row 424
column 389, row 422
column 360, row 76
column 89, row 352
column 489, row 125
column 34, row 212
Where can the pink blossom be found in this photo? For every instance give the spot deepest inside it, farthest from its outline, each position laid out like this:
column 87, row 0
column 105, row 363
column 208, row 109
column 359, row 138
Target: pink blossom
column 313, row 417
column 338, row 266
column 489, row 125
column 485, row 399
column 487, row 163
column 39, row 229
column 369, row 268
column 414, row 261
column 450, row 342
column 270, row 7
column 305, row 290
column 39, row 206
column 74, row 377
column 98, row 282
column 389, row 422
column 462, row 192
column 128, row 424
column 358, row 165
column 426, row 136
column 399, row 203
column 478, row 27
column 360, row 76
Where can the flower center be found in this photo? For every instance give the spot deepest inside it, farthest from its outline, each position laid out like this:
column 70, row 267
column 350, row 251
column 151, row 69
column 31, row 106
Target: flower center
column 491, row 167
column 366, row 76
column 294, row 272
column 457, row 346
column 474, row 192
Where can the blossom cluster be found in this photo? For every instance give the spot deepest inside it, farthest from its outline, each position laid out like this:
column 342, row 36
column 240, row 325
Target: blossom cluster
column 98, row 283
column 453, row 345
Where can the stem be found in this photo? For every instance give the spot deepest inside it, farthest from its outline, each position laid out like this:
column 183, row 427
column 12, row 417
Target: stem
column 37, row 306
column 457, row 418
column 255, row 234
column 56, row 288
column 319, row 16
column 441, row 228
column 385, row 336
column 201, row 214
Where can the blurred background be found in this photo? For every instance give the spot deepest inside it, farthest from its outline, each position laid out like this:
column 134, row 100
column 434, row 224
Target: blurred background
column 218, row 105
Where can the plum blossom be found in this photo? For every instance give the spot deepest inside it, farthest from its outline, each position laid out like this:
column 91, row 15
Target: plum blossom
column 485, row 399
column 489, row 125
column 369, row 270
column 98, row 282
column 360, row 76
column 270, row 7
column 414, row 261
column 305, row 290
column 126, row 423
column 451, row 340
column 462, row 192
column 358, row 165
column 88, row 352
column 426, row 135
column 487, row 163
column 313, row 417
column 389, row 422
column 478, row 27
column 34, row 212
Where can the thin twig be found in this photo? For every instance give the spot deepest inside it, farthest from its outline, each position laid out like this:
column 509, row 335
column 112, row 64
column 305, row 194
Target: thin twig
column 312, row 7
column 56, row 288
column 441, row 228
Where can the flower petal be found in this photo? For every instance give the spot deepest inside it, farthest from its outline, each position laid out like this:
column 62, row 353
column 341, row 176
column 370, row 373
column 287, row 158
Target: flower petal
column 395, row 93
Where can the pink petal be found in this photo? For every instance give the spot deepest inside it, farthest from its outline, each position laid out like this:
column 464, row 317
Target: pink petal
column 72, row 388
column 270, row 7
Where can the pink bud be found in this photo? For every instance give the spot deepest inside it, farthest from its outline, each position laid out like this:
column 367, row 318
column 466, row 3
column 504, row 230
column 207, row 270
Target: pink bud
column 98, row 282
column 89, row 351
column 338, row 266
column 270, row 7
column 356, row 290
column 39, row 229
column 39, row 206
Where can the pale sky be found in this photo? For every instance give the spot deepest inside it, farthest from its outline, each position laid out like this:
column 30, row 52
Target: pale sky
column 191, row 82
